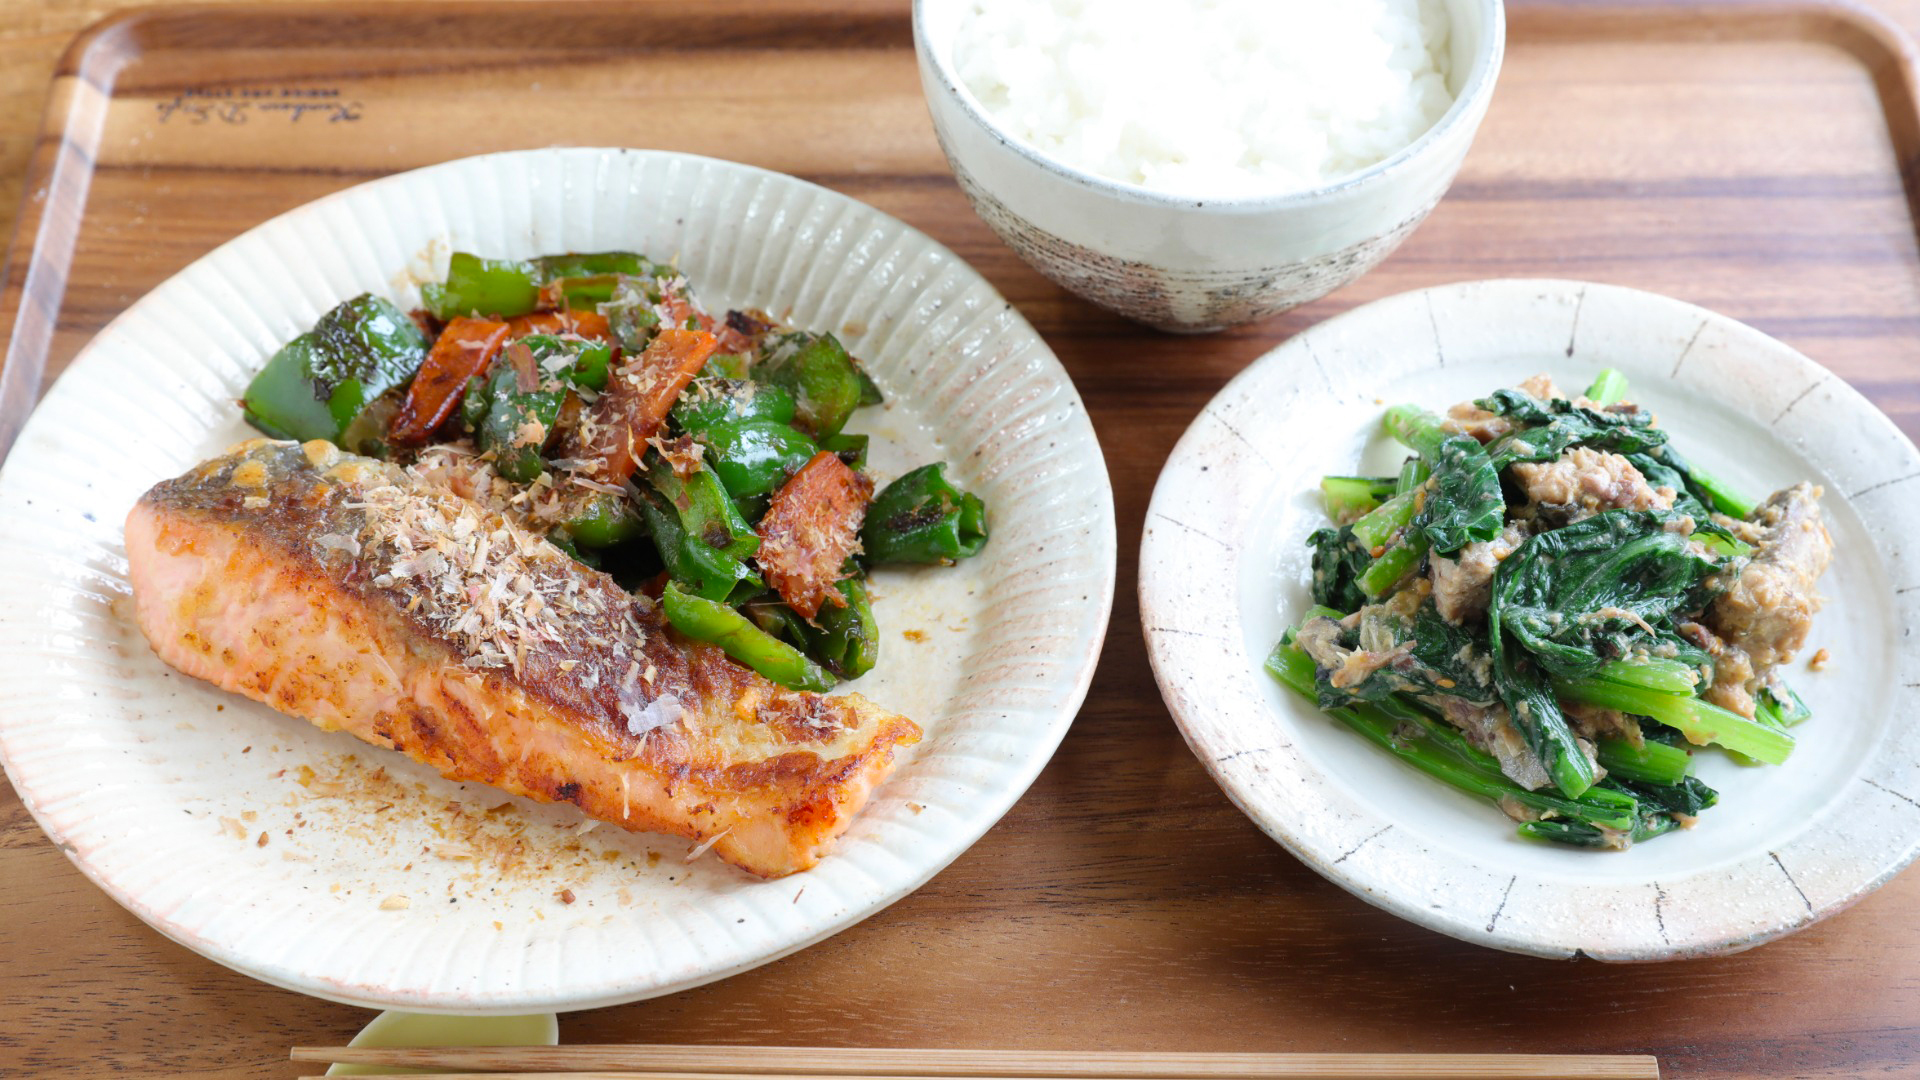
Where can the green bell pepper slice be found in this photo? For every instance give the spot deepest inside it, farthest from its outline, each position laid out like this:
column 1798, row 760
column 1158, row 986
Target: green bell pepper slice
column 817, row 371
column 589, row 280
column 632, row 326
column 755, row 458
column 476, row 286
column 319, row 382
column 771, row 614
column 727, row 366
column 509, row 412
column 286, row 401
column 509, row 287
column 846, row 639
column 504, row 408
column 706, row 620
column 869, row 390
column 366, row 433
column 711, row 562
column 705, row 511
column 710, row 401
column 851, row 448
column 582, row 363
column 598, row 264
column 629, row 304
column 473, row 403
column 603, row 520
column 923, row 518
column 585, row 293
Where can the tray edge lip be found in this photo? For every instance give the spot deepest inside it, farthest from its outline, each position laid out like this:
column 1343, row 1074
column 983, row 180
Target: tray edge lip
column 92, row 60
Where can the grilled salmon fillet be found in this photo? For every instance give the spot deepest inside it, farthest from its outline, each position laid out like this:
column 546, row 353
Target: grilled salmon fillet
column 355, row 594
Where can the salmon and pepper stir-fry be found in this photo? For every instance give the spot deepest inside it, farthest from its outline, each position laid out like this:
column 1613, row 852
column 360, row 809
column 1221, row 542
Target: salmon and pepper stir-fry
column 1549, row 607
column 563, row 532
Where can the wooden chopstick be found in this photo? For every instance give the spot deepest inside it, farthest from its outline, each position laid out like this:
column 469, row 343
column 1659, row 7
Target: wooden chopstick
column 623, row 1062
column 1323, row 1067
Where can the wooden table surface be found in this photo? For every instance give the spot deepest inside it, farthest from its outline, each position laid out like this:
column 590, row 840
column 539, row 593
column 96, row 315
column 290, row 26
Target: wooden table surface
column 1124, row 903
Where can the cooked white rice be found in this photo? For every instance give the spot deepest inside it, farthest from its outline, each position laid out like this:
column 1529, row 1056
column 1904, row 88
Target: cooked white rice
column 1210, row 97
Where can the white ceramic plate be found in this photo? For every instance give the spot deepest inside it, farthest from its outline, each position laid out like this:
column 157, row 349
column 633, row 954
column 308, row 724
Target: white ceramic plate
column 1223, row 571
column 197, row 810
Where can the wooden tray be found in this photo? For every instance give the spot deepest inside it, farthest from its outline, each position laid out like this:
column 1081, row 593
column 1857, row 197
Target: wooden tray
column 1748, row 157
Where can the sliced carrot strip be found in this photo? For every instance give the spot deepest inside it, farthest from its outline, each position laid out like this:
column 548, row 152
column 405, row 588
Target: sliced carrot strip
column 463, row 350
column 613, row 435
column 586, row 324
column 810, row 528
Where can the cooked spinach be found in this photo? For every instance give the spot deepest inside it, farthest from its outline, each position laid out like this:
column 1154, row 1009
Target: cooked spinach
column 1582, row 595
column 1338, row 561
column 1551, row 428
column 1703, row 485
column 1567, row 680
column 1536, row 712
column 1429, row 656
column 1690, row 796
column 1463, row 502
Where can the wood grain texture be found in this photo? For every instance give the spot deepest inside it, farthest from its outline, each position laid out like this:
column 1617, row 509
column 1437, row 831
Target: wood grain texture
column 1273, row 1067
column 1277, row 1067
column 666, row 1062
column 1739, row 156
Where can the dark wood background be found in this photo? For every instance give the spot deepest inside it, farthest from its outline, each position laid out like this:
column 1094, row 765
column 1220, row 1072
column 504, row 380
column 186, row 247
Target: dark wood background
column 1744, row 156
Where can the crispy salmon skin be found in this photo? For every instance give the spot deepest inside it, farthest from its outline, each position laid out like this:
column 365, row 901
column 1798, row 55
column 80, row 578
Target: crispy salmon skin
column 364, row 598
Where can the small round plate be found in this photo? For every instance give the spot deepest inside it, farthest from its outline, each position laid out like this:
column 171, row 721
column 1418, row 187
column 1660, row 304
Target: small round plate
column 1224, row 568
column 314, row 862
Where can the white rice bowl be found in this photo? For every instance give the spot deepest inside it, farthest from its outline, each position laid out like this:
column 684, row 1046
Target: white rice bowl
column 1209, row 97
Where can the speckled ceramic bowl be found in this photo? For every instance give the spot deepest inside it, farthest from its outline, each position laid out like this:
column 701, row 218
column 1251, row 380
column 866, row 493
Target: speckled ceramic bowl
column 1195, row 264
column 1224, row 570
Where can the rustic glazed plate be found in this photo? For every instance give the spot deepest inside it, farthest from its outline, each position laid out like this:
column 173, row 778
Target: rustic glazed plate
column 314, row 862
column 1224, row 569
